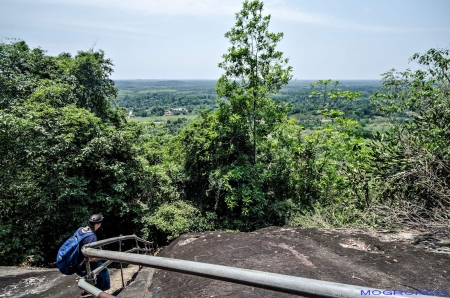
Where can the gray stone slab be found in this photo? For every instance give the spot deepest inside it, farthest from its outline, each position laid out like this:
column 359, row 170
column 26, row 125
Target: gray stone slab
column 139, row 288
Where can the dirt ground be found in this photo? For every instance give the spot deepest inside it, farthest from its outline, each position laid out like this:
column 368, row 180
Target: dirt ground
column 406, row 260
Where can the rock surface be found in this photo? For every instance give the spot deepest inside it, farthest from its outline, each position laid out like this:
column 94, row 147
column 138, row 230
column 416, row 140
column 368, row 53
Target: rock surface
column 391, row 260
column 384, row 260
column 50, row 283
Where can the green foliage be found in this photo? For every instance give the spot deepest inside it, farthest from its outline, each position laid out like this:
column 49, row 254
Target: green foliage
column 58, row 166
column 334, row 215
column 247, row 162
column 224, row 181
column 413, row 158
column 30, row 75
column 328, row 97
column 338, row 157
column 172, row 219
column 221, row 147
column 166, row 178
column 64, row 153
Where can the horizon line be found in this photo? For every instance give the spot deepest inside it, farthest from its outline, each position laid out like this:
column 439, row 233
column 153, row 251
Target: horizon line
column 293, row 80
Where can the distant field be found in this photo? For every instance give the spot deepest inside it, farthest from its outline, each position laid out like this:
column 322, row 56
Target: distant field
column 153, row 97
column 152, row 119
column 380, row 124
column 380, row 127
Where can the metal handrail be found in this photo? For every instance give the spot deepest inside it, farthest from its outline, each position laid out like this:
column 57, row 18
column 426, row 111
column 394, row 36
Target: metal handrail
column 116, row 239
column 86, row 282
column 107, row 263
column 272, row 281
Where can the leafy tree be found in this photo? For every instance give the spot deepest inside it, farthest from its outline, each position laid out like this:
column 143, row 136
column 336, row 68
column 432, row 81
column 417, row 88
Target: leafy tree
column 254, row 69
column 327, row 95
column 329, row 161
column 58, row 165
column 244, row 196
column 230, row 153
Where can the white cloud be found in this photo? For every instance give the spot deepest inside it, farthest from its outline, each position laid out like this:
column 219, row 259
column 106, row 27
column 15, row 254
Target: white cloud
column 86, row 25
column 172, row 7
column 296, row 15
column 279, row 9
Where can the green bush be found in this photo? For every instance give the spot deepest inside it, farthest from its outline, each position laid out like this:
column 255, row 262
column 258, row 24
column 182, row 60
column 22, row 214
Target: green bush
column 335, row 215
column 171, row 219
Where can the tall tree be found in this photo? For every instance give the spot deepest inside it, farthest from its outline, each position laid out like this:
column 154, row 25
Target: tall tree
column 254, row 69
column 231, row 154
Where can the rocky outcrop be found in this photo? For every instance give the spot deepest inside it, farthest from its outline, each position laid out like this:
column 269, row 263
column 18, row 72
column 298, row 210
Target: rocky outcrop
column 378, row 259
column 391, row 260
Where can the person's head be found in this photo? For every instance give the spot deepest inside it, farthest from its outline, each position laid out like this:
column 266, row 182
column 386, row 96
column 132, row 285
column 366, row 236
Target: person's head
column 95, row 221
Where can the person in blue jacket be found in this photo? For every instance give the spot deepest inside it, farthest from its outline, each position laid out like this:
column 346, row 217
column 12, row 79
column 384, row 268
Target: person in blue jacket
column 103, row 281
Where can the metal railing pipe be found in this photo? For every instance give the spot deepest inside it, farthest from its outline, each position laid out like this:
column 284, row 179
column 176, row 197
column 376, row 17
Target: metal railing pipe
column 112, row 240
column 93, row 290
column 142, row 240
column 272, row 281
column 107, row 263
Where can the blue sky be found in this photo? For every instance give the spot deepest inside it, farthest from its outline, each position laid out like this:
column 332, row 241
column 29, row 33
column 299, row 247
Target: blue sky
column 183, row 39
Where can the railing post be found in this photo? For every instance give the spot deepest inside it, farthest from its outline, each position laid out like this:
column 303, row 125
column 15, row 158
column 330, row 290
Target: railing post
column 90, row 275
column 121, row 270
column 137, row 246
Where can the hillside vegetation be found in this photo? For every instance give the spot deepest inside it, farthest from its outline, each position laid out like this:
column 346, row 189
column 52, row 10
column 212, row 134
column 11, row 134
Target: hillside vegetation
column 244, row 162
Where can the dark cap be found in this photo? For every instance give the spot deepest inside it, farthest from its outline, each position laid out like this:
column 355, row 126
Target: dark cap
column 96, row 218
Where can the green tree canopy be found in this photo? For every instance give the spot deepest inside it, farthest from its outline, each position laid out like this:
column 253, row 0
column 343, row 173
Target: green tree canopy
column 65, row 152
column 30, row 75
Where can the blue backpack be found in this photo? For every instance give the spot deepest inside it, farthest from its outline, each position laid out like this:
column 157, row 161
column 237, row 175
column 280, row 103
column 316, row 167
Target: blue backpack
column 67, row 258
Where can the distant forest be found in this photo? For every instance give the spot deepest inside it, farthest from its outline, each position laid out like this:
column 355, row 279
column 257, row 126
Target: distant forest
column 153, row 97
